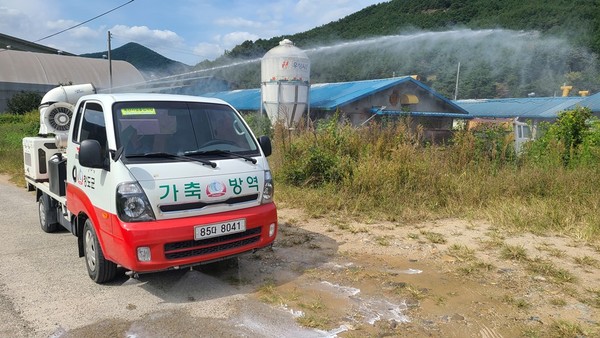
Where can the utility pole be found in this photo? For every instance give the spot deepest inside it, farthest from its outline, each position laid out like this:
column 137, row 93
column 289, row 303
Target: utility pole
column 110, row 84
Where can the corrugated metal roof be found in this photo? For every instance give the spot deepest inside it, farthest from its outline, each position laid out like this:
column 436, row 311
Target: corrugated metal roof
column 531, row 107
column 14, row 43
column 329, row 96
column 592, row 102
column 241, row 99
column 39, row 68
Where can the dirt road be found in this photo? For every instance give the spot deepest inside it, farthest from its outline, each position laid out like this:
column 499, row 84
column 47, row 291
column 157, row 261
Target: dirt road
column 323, row 278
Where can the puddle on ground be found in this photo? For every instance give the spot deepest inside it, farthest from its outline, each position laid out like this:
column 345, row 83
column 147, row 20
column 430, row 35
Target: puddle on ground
column 373, row 296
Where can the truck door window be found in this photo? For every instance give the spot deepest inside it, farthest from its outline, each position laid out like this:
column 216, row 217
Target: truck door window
column 76, row 122
column 93, row 127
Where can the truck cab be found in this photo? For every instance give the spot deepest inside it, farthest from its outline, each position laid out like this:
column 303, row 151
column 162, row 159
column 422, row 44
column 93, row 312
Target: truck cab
column 157, row 181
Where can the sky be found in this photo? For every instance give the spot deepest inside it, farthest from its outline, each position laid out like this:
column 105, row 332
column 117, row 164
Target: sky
column 188, row 31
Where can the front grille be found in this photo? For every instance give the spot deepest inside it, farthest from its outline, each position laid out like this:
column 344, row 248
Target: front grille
column 200, row 205
column 211, row 245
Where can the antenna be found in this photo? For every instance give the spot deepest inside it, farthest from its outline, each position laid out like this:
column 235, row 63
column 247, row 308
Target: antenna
column 456, row 88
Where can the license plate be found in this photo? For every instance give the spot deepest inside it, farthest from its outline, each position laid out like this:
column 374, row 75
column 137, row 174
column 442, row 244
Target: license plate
column 219, row 229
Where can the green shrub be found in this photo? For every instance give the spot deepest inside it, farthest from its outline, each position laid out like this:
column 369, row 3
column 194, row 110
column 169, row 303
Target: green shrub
column 318, row 158
column 589, row 149
column 573, row 138
column 23, row 102
column 259, row 123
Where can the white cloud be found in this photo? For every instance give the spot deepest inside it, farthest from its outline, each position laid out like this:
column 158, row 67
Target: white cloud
column 232, row 39
column 26, row 19
column 221, row 43
column 85, row 33
column 238, row 23
column 58, row 25
column 322, row 12
column 29, row 6
column 208, row 51
column 14, row 22
column 143, row 34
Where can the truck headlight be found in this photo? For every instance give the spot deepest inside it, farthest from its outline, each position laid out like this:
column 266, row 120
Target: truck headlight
column 268, row 189
column 132, row 203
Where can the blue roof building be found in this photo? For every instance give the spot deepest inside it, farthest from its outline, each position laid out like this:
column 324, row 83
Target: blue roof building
column 362, row 101
column 527, row 113
column 531, row 108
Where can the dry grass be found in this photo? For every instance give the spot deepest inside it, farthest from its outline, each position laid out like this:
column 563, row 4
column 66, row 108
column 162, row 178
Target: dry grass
column 385, row 173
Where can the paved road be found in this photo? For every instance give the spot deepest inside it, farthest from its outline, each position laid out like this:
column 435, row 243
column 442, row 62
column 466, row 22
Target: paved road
column 45, row 291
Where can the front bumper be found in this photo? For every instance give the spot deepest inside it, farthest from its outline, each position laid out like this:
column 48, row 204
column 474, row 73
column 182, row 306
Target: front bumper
column 172, row 245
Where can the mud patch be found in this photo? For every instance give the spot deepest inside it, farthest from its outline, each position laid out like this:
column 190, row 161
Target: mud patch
column 443, row 278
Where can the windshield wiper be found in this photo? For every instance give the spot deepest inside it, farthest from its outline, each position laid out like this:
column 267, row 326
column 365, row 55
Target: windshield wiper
column 221, row 153
column 169, row 155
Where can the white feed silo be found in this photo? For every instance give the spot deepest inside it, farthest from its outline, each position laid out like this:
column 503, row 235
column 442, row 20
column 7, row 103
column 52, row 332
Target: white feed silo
column 285, row 78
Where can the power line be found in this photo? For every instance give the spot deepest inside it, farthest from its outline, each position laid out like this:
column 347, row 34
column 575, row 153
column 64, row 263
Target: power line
column 94, row 18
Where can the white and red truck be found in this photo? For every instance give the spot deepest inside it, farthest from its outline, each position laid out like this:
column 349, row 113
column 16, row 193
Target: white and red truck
column 150, row 182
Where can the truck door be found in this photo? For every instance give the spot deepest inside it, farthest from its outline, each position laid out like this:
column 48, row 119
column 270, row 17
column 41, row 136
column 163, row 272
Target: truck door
column 90, row 123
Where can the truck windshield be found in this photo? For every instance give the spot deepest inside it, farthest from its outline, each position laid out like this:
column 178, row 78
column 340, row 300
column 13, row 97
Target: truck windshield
column 180, row 128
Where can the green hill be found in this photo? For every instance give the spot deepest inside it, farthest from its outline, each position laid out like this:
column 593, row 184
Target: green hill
column 577, row 19
column 144, row 59
column 507, row 48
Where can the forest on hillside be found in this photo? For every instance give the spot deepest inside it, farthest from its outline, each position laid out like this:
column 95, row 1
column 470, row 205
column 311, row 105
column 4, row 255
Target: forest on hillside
column 504, row 48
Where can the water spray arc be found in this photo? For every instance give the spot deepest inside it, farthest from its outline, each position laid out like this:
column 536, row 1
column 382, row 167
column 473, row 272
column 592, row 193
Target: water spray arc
column 493, row 63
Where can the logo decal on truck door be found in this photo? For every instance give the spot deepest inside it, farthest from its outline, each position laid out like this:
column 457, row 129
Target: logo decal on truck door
column 84, row 180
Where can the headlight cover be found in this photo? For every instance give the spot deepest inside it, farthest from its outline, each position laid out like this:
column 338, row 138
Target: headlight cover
column 132, row 203
column 268, row 189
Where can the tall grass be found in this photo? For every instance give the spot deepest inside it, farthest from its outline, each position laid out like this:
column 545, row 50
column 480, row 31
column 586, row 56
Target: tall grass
column 386, row 171
column 12, row 130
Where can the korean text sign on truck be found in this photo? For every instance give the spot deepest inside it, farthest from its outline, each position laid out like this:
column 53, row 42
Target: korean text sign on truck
column 152, row 182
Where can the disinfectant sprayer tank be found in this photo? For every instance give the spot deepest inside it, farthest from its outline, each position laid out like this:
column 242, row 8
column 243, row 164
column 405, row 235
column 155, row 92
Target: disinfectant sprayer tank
column 56, row 108
column 285, row 82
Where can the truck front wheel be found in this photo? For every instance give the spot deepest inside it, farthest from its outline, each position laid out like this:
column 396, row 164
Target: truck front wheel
column 100, row 269
column 47, row 214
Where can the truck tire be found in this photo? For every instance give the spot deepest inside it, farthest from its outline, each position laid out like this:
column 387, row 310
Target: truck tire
column 47, row 214
column 99, row 268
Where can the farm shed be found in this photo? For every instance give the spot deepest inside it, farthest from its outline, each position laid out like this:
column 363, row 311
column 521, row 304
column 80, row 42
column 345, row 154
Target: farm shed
column 40, row 72
column 361, row 101
column 533, row 110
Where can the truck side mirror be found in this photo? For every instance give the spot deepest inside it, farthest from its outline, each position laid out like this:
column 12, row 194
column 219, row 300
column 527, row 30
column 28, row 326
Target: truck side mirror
column 90, row 154
column 265, row 145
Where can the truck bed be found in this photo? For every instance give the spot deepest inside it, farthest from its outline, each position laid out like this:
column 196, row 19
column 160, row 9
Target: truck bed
column 45, row 187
